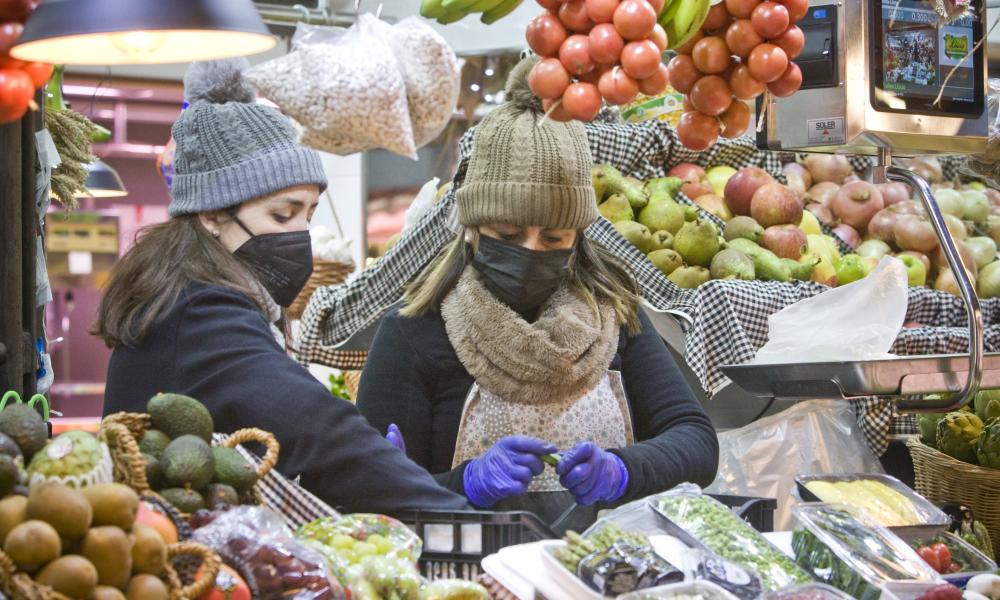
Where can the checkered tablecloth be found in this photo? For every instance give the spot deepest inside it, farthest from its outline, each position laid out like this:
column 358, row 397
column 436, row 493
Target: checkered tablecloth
column 725, row 321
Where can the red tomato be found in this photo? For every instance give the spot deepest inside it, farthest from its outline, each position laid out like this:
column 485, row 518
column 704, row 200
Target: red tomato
column 711, row 95
column 683, row 73
column 767, row 62
column 545, row 33
column 741, row 38
column 796, row 9
column 741, row 9
column 697, row 131
column 9, row 34
column 686, row 104
column 582, row 101
column 943, row 555
column 38, row 72
column 634, row 19
column 640, row 59
column 16, row 92
column 735, row 119
column 770, row 19
column 548, row 79
column 954, row 568
column 9, row 62
column 929, row 557
column 791, row 41
column 575, row 55
column 606, row 44
column 711, row 55
column 743, row 84
column 595, row 75
column 601, row 11
column 659, row 37
column 574, row 16
column 617, row 87
column 718, row 18
column 228, row 586
column 16, row 10
column 789, row 82
column 655, row 83
column 555, row 110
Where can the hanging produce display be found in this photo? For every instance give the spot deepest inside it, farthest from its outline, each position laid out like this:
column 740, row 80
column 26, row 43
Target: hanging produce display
column 18, row 79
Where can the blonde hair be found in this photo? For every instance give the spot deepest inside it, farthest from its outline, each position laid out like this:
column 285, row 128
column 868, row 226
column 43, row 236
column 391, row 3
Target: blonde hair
column 595, row 273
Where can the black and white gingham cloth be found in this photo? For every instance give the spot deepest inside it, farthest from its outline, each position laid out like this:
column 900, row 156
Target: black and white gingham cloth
column 725, row 321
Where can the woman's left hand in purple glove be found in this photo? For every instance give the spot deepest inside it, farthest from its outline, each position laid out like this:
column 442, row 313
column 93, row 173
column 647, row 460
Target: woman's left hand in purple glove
column 592, row 474
column 395, row 437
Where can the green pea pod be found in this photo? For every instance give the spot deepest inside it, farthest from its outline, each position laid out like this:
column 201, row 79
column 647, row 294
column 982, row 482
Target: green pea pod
column 551, row 459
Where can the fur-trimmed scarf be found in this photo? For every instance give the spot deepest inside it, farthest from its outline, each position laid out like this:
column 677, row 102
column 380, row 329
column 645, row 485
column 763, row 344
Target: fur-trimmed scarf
column 560, row 356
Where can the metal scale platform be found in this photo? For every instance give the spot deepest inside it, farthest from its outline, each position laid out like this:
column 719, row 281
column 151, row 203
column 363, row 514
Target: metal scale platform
column 871, row 73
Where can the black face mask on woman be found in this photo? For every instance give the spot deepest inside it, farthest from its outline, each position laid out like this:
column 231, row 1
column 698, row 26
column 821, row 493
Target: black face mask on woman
column 522, row 279
column 282, row 261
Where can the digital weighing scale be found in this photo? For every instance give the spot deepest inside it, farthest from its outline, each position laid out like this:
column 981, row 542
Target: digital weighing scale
column 871, row 71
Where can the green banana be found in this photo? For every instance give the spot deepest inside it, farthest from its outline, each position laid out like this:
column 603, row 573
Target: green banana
column 452, row 16
column 431, row 9
column 669, row 10
column 686, row 21
column 500, row 11
column 482, row 6
column 462, row 5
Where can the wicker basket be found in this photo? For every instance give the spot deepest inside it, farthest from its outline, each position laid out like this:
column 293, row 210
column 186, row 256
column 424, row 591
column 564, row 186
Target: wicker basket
column 121, row 430
column 941, row 478
column 352, row 380
column 325, row 272
column 20, row 586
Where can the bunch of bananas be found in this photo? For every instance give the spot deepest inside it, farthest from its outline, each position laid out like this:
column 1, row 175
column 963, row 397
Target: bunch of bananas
column 682, row 19
column 450, row 11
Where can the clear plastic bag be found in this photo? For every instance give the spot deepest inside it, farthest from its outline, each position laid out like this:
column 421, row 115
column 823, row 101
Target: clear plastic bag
column 857, row 321
column 345, row 89
column 762, row 459
column 282, row 568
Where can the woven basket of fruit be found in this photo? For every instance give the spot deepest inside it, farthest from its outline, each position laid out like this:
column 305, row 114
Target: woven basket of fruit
column 168, row 452
column 325, row 272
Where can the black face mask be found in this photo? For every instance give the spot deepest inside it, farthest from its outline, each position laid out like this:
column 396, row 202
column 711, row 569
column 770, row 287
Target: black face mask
column 520, row 278
column 282, row 261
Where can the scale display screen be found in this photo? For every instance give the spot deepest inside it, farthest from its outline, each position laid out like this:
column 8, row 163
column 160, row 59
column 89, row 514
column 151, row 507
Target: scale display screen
column 913, row 55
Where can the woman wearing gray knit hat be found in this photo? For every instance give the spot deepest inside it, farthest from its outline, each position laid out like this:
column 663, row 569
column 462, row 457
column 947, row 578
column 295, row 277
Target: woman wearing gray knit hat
column 192, row 308
column 523, row 339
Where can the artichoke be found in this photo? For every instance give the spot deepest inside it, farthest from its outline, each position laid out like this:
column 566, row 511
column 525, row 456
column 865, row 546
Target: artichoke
column 988, row 446
column 957, row 434
column 987, row 405
column 927, row 423
column 975, row 533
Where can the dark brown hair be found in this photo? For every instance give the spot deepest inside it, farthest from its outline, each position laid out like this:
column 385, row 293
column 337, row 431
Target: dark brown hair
column 148, row 280
column 595, row 272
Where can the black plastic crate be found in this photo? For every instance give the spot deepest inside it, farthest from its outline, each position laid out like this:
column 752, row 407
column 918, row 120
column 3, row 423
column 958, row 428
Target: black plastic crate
column 455, row 542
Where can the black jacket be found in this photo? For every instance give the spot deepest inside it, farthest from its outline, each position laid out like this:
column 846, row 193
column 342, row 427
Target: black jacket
column 413, row 378
column 215, row 345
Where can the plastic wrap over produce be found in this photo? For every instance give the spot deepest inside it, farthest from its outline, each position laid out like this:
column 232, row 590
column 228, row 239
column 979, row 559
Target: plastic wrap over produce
column 763, row 458
column 860, row 321
column 987, row 164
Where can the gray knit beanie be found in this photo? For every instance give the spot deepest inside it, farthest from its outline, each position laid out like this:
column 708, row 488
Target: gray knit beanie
column 527, row 169
column 230, row 149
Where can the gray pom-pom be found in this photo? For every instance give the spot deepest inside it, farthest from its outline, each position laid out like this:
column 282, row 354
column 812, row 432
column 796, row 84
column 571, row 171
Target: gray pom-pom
column 518, row 93
column 218, row 81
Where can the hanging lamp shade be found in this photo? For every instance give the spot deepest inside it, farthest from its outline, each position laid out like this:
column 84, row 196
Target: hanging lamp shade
column 103, row 182
column 120, row 32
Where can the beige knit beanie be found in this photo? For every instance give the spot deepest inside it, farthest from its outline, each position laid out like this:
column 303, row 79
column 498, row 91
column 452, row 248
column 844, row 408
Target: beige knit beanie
column 526, row 169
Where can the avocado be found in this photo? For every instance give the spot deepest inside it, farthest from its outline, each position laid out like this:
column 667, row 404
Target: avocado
column 149, row 551
column 63, row 507
column 104, row 592
column 109, row 549
column 11, row 449
column 233, row 470
column 72, row 575
column 188, row 461
column 154, row 471
column 9, row 475
column 184, row 500
column 32, row 544
column 220, row 494
column 146, row 587
column 13, row 512
column 112, row 504
column 177, row 415
column 153, row 442
column 25, row 426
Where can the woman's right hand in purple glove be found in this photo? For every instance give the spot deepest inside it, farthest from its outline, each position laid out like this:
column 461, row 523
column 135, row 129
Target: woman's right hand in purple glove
column 505, row 470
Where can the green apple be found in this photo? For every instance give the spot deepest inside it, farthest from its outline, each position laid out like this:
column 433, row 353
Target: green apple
column 718, row 177
column 850, row 268
column 979, row 186
column 916, row 272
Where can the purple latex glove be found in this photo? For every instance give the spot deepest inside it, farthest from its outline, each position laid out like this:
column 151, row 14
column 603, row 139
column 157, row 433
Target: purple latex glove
column 505, row 470
column 592, row 474
column 395, row 437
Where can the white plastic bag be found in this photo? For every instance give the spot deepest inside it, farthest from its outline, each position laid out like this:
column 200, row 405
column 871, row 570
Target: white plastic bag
column 857, row 321
column 814, row 437
column 345, row 89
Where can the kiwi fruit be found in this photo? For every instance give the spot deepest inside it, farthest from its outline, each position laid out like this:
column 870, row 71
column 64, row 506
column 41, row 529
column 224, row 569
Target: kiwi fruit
column 63, row 507
column 110, row 550
column 32, row 544
column 146, row 587
column 149, row 552
column 113, row 504
column 71, row 575
column 104, row 592
column 13, row 512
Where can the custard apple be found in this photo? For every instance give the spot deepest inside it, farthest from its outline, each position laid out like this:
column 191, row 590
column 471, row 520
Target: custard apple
column 988, row 446
column 957, row 433
column 74, row 457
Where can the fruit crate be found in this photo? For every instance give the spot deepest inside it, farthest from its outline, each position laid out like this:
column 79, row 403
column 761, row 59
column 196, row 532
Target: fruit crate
column 455, row 542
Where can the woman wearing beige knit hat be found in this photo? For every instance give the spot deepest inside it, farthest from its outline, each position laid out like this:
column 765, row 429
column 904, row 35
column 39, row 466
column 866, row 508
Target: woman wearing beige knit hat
column 523, row 339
